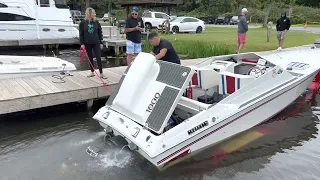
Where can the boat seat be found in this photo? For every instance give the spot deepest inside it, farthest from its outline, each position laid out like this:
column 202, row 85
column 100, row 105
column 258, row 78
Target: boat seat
column 137, row 81
column 205, row 78
column 231, row 82
column 196, row 105
column 151, row 90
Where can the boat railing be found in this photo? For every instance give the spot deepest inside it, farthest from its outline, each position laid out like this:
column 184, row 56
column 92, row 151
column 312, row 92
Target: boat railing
column 18, row 3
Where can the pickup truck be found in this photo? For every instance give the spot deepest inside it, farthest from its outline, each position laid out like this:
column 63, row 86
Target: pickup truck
column 77, row 15
column 154, row 19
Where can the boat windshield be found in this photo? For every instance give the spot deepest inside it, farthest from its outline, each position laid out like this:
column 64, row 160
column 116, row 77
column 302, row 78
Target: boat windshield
column 3, row 5
column 61, row 4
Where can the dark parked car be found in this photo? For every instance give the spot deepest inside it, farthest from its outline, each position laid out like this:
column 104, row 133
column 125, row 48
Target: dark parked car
column 208, row 20
column 234, row 20
column 222, row 20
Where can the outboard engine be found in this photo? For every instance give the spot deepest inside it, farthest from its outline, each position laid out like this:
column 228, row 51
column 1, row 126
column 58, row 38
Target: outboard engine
column 111, row 143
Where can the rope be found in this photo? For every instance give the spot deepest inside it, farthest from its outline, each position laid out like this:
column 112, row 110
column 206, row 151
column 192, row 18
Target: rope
column 83, row 53
column 61, row 78
column 64, row 74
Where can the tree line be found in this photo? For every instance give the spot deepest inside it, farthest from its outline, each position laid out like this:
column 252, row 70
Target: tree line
column 260, row 11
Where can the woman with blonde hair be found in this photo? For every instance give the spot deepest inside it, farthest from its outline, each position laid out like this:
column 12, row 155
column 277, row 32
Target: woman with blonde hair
column 91, row 38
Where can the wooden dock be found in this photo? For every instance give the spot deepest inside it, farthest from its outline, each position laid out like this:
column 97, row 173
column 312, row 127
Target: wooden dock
column 27, row 93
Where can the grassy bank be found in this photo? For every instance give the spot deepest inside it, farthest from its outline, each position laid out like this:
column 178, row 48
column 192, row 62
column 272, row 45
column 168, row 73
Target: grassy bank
column 217, row 41
column 188, row 49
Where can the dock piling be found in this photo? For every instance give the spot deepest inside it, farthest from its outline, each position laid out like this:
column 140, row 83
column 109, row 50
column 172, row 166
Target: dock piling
column 89, row 103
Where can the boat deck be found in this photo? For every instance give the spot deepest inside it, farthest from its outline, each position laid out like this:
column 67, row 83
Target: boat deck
column 111, row 37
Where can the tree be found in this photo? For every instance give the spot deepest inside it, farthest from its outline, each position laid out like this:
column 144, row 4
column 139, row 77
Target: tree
column 310, row 3
column 87, row 2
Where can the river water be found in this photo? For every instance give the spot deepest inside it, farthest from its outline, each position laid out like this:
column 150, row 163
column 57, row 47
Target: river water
column 50, row 144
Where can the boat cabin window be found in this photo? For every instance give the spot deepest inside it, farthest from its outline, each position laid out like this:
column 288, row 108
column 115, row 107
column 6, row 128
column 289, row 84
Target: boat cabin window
column 3, row 5
column 44, row 3
column 61, row 4
column 14, row 17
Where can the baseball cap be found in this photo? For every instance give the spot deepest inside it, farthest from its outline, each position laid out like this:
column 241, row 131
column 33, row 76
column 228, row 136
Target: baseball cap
column 244, row 10
column 136, row 9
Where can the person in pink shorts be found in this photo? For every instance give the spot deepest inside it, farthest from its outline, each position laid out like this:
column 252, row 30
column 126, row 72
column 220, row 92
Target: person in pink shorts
column 242, row 29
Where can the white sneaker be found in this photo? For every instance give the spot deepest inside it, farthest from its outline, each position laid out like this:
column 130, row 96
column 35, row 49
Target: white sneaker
column 279, row 49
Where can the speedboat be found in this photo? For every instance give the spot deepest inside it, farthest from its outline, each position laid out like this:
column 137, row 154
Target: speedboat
column 168, row 112
column 23, row 66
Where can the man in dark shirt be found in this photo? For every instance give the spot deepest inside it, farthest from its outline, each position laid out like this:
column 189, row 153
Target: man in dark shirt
column 283, row 25
column 163, row 49
column 133, row 29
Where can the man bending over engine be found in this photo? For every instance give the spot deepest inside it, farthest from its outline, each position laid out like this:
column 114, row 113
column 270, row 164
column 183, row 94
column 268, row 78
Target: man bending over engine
column 163, row 49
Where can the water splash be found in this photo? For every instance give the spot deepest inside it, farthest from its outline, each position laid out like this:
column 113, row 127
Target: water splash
column 115, row 158
column 112, row 158
column 87, row 141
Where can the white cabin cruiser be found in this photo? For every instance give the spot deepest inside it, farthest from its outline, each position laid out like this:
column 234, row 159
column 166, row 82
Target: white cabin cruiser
column 226, row 96
column 23, row 66
column 36, row 20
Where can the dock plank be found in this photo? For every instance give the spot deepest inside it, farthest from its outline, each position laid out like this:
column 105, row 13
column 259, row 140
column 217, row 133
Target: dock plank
column 112, row 76
column 95, row 78
column 4, row 92
column 31, row 91
column 34, row 86
column 50, row 99
column 85, row 80
column 1, row 97
column 119, row 70
column 48, row 84
column 70, row 85
column 40, row 84
column 6, row 83
column 55, row 82
column 79, row 83
column 18, row 87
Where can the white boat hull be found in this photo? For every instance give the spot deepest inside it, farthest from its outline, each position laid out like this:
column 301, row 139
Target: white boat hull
column 250, row 99
column 27, row 66
column 233, row 126
column 254, row 116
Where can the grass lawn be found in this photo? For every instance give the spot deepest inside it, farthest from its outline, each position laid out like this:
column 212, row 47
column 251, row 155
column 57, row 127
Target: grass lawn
column 256, row 38
column 215, row 41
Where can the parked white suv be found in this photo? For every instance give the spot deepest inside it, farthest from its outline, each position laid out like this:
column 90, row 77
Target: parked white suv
column 105, row 17
column 154, row 19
